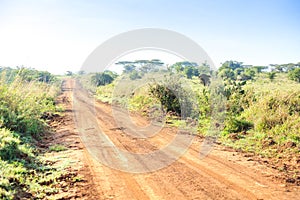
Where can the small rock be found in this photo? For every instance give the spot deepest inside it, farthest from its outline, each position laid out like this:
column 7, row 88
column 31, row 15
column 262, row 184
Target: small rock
column 290, row 180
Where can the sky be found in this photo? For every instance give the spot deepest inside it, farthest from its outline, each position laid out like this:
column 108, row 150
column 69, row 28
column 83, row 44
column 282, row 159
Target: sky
column 58, row 35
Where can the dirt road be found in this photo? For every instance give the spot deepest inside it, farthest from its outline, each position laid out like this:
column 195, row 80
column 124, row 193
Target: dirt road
column 220, row 175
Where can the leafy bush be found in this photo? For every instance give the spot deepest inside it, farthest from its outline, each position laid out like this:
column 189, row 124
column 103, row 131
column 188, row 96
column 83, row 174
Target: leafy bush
column 295, row 74
column 25, row 173
column 235, row 125
column 103, row 78
column 167, row 98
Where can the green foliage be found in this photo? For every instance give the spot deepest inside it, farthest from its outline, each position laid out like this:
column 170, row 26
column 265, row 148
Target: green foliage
column 262, row 115
column 57, row 148
column 23, row 104
column 140, row 66
column 235, row 125
column 167, row 97
column 25, row 174
column 134, row 75
column 105, row 93
column 295, row 74
column 174, row 96
column 236, row 71
column 271, row 75
column 26, row 74
column 285, row 67
column 190, row 69
column 103, row 78
column 128, row 68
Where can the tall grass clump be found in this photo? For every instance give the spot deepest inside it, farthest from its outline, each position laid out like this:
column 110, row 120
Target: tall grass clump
column 268, row 119
column 25, row 173
column 23, row 103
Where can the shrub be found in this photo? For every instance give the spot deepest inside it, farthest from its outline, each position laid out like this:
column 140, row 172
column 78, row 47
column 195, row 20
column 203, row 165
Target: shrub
column 23, row 103
column 295, row 74
column 234, row 125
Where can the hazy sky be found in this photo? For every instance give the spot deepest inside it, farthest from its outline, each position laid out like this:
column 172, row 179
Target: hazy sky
column 58, row 35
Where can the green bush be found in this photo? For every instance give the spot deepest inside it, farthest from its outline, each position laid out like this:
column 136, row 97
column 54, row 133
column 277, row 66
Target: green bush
column 234, row 125
column 295, row 74
column 23, row 103
column 167, row 98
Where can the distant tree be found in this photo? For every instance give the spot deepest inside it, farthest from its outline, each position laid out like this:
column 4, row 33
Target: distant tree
column 128, row 68
column 103, row 78
column 146, row 66
column 27, row 74
column 111, row 73
column 134, row 75
column 44, row 76
column 127, row 65
column 189, row 71
column 247, row 74
column 227, row 73
column 233, row 70
column 295, row 75
column 259, row 69
column 232, row 65
column 69, row 73
column 204, row 68
column 143, row 66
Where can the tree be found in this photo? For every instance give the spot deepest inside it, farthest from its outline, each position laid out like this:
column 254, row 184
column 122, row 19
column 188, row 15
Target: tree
column 295, row 75
column 232, row 65
column 27, row 74
column 189, row 72
column 259, row 69
column 128, row 68
column 134, row 75
column 103, row 78
column 167, row 98
column 227, row 73
column 143, row 66
column 69, row 73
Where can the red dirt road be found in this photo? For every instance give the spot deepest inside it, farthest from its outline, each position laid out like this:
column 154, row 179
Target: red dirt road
column 221, row 175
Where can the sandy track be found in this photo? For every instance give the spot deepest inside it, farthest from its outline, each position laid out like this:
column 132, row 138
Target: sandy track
column 221, row 175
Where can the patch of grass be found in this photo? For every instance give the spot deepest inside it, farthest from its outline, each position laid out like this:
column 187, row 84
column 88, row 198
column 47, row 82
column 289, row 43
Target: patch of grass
column 263, row 116
column 25, row 172
column 273, row 111
column 57, row 148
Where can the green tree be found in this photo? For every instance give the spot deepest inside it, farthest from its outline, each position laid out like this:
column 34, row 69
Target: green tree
column 189, row 71
column 134, row 75
column 295, row 75
column 167, row 98
column 103, row 78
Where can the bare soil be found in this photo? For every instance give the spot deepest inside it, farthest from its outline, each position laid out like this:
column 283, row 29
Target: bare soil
column 223, row 174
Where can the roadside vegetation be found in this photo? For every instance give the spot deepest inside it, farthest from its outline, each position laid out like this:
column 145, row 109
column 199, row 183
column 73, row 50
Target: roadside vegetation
column 27, row 102
column 262, row 103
